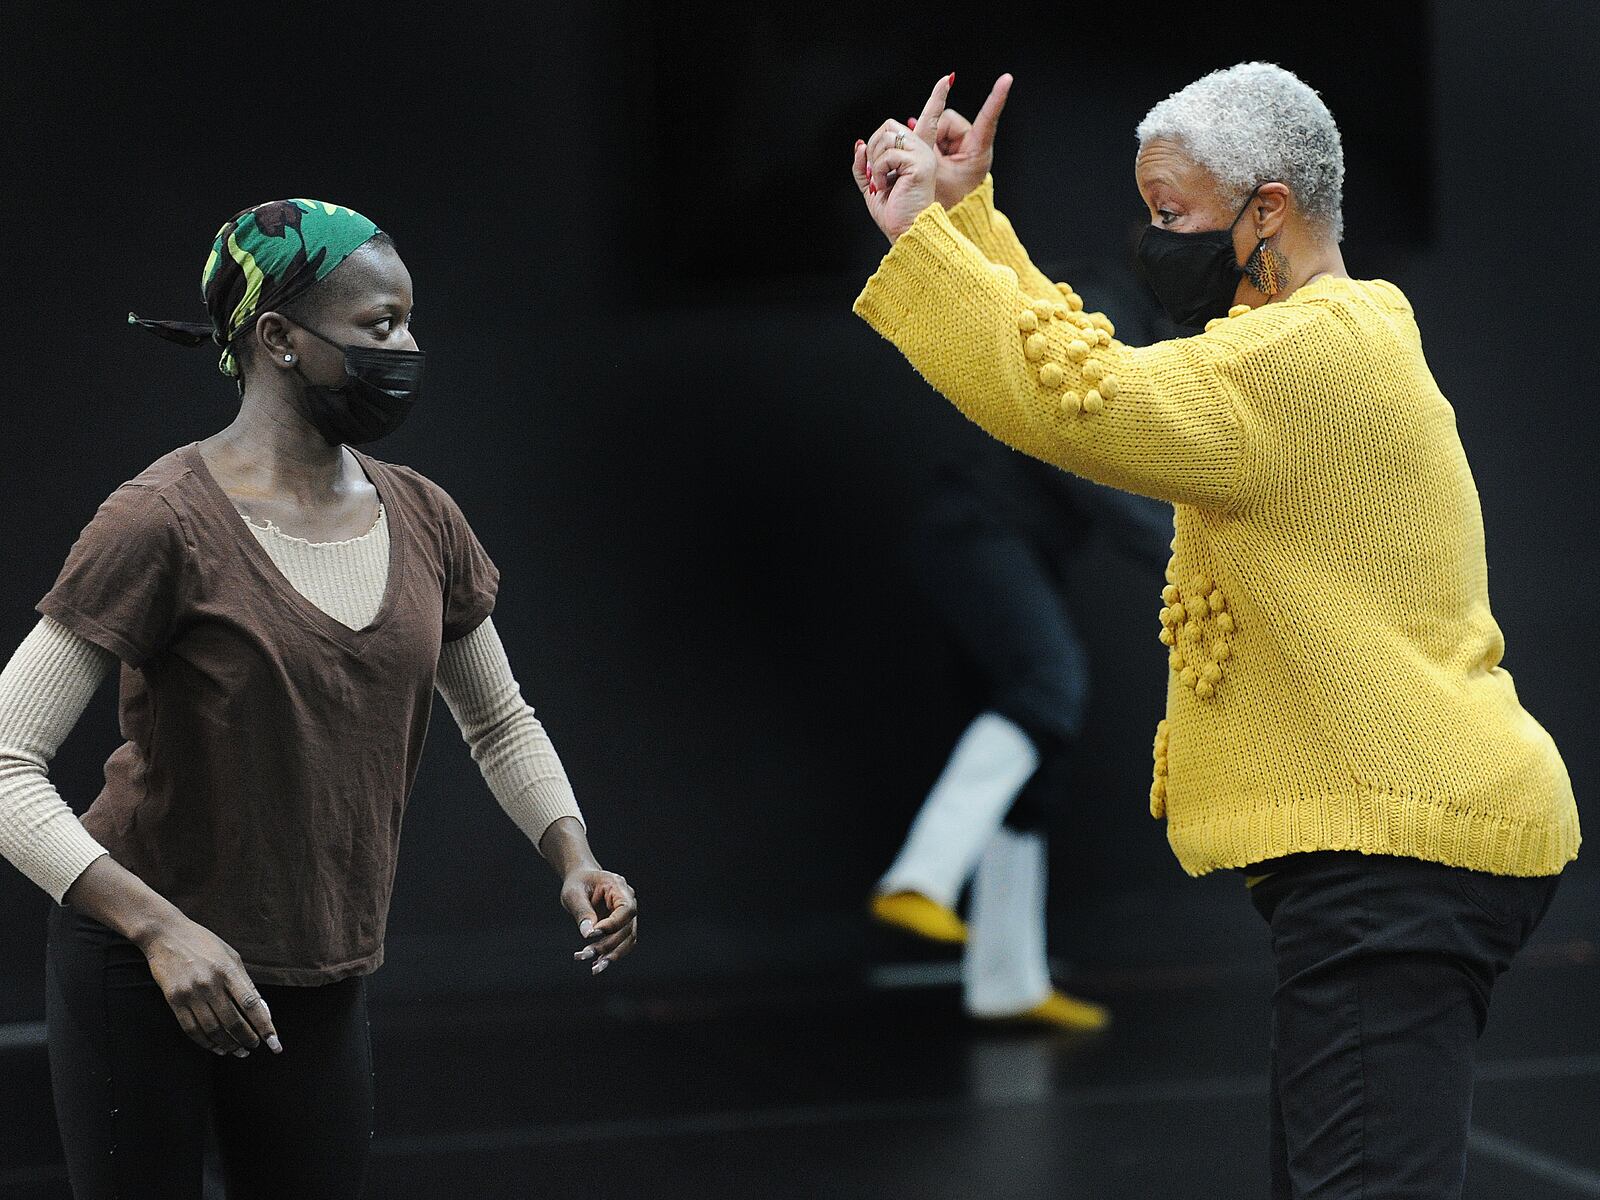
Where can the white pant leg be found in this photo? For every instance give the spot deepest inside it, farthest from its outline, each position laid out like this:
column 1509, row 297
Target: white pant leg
column 1004, row 970
column 991, row 761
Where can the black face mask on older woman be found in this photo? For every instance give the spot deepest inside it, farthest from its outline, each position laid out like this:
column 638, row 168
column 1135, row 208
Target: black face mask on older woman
column 1194, row 275
column 380, row 387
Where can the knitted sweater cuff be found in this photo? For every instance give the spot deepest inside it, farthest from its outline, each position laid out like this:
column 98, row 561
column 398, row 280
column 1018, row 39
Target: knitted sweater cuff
column 930, row 247
column 974, row 216
column 541, row 804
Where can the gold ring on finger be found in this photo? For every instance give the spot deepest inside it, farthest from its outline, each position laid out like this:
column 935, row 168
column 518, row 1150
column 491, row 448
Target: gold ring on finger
column 900, row 140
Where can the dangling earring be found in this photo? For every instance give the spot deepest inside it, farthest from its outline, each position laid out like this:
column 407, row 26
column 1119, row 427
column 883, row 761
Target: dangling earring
column 1268, row 270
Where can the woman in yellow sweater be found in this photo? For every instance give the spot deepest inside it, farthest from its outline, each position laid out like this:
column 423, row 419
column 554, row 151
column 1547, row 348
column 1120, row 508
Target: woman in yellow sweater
column 1338, row 724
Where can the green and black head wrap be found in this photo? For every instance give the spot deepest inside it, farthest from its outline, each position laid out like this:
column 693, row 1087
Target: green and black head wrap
column 261, row 260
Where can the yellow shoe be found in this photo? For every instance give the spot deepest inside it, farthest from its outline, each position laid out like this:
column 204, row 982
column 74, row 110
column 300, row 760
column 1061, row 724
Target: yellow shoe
column 915, row 913
column 1061, row 1011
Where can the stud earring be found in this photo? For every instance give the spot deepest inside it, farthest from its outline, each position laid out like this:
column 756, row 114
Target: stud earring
column 288, row 358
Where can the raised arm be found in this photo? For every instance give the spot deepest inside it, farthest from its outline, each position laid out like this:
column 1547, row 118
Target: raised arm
column 987, row 228
column 1041, row 375
column 963, row 184
column 1174, row 420
column 1051, row 380
column 522, row 769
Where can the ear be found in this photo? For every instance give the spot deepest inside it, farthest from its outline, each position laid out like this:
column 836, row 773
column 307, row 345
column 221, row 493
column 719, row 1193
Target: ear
column 1269, row 209
column 272, row 333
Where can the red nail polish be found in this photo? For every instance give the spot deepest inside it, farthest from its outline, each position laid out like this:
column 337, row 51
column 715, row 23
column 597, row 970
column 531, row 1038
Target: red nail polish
column 859, row 143
column 872, row 189
column 912, row 123
column 952, row 79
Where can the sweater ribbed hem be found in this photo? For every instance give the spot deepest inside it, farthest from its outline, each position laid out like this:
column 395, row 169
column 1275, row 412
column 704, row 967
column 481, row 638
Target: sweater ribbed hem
column 1374, row 823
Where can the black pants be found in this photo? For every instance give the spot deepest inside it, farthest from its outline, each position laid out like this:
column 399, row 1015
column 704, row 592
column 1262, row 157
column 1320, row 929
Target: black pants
column 1385, row 966
column 133, row 1095
column 997, row 594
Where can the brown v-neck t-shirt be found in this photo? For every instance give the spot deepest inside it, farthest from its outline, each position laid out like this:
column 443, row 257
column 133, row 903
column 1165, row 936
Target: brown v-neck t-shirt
column 270, row 748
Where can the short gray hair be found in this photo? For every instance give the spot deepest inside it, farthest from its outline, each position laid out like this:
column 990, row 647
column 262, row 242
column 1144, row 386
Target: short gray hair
column 1255, row 122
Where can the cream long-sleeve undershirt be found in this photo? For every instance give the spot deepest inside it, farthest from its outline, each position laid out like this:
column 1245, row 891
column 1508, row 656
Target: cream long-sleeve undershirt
column 50, row 679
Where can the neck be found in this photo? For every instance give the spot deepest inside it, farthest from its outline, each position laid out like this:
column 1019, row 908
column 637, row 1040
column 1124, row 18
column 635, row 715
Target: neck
column 270, row 448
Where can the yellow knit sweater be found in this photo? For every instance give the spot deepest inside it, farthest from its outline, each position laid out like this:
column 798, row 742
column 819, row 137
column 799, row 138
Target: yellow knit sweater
column 1335, row 679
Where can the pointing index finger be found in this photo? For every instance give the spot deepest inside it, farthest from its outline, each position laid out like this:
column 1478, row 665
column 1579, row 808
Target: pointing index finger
column 989, row 115
column 928, row 122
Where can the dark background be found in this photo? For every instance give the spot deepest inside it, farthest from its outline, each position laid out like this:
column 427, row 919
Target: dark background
column 635, row 243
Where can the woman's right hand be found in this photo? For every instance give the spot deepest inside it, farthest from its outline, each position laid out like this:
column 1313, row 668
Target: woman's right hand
column 210, row 992
column 966, row 148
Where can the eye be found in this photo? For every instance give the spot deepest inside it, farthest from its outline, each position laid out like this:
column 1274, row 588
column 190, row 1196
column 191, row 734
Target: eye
column 1166, row 215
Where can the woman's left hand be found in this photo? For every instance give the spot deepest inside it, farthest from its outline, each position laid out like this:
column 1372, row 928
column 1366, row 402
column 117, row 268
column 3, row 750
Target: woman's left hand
column 586, row 893
column 897, row 171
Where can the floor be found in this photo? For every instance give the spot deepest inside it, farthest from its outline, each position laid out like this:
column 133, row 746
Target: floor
column 869, row 1083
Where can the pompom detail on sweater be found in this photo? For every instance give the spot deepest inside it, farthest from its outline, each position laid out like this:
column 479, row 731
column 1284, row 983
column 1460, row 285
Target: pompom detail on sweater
column 1034, row 347
column 1051, row 375
column 1026, row 321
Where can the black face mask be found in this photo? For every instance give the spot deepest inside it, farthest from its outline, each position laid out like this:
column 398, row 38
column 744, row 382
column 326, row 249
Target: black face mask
column 1194, row 275
column 380, row 388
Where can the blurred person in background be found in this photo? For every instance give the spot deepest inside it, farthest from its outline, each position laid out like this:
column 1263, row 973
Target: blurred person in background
column 1339, row 728
column 992, row 546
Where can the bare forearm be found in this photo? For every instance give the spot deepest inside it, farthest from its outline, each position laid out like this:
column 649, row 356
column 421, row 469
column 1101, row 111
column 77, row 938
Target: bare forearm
column 119, row 899
column 565, row 846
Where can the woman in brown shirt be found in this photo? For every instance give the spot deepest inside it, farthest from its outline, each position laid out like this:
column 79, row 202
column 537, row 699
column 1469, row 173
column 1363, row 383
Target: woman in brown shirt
column 282, row 607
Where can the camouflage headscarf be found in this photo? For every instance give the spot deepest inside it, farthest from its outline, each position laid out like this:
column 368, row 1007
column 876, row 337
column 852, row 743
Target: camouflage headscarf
column 260, row 260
